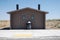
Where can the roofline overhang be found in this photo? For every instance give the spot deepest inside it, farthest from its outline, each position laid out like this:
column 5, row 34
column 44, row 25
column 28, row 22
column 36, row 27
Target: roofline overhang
column 26, row 8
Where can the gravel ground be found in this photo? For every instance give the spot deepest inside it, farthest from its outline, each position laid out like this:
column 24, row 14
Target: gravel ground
column 40, row 38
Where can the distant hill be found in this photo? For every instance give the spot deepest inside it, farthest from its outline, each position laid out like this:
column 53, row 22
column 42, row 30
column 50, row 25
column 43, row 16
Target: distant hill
column 50, row 24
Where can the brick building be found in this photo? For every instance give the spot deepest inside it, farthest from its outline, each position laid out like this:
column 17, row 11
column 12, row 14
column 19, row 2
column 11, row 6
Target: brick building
column 27, row 18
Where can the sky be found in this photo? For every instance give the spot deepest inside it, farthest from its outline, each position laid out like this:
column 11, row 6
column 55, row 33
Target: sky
column 50, row 6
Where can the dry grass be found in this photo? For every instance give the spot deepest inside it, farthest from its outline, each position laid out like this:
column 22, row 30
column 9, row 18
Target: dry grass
column 4, row 23
column 53, row 24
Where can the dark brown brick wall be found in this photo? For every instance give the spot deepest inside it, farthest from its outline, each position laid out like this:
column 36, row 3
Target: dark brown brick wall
column 17, row 21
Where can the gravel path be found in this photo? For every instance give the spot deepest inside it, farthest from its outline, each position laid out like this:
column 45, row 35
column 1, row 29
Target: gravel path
column 40, row 38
